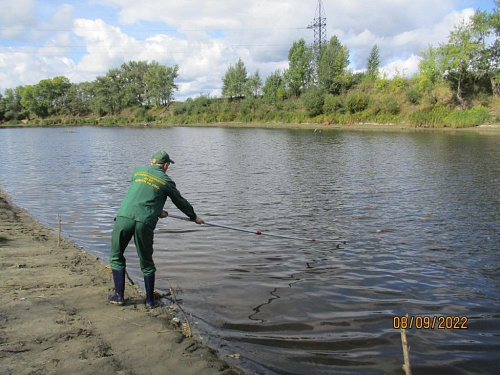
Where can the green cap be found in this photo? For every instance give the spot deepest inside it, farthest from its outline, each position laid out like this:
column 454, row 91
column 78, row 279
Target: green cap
column 160, row 157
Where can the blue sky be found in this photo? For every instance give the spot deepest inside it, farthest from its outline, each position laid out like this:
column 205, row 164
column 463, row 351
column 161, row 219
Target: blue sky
column 83, row 39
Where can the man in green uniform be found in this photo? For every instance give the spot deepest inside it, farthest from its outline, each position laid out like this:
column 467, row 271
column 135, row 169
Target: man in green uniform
column 138, row 216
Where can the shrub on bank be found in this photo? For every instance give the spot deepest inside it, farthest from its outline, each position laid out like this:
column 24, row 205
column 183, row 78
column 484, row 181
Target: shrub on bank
column 464, row 119
column 437, row 116
column 381, row 105
column 333, row 104
column 357, row 101
column 313, row 101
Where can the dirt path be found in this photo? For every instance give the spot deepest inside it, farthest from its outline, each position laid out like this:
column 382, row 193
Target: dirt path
column 54, row 317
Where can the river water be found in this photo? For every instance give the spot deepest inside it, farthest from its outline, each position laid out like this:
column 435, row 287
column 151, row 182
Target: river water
column 420, row 212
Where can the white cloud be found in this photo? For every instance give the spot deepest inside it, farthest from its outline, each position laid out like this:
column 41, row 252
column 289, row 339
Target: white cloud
column 401, row 67
column 107, row 46
column 62, row 20
column 17, row 19
column 27, row 65
column 36, row 46
column 404, row 45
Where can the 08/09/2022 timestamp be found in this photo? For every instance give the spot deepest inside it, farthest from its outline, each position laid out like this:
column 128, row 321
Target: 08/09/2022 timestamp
column 429, row 322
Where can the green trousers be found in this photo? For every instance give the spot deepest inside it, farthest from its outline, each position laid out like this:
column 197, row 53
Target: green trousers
column 123, row 230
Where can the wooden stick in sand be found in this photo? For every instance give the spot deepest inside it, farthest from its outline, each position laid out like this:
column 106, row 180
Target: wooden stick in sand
column 188, row 332
column 59, row 232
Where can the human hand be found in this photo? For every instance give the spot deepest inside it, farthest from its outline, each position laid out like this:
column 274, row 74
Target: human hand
column 163, row 214
column 199, row 220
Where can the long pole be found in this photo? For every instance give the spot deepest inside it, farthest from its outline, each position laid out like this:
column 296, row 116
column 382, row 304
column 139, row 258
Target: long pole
column 258, row 232
column 406, row 352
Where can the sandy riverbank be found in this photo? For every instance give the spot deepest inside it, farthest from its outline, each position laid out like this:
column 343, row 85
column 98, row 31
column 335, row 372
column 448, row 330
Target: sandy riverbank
column 55, row 319
column 485, row 128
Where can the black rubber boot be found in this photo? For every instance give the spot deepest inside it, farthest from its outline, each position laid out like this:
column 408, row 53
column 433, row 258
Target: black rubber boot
column 149, row 285
column 119, row 279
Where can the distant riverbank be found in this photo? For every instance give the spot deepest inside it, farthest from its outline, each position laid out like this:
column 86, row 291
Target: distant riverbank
column 321, row 127
column 487, row 128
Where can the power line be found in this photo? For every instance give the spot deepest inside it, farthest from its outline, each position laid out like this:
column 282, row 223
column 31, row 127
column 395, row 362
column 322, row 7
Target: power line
column 25, row 29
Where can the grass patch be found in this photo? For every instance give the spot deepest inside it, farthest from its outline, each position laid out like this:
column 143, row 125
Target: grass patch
column 437, row 116
column 464, row 119
column 429, row 117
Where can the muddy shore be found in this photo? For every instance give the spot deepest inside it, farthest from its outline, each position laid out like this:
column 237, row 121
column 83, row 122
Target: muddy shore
column 319, row 127
column 55, row 319
column 485, row 128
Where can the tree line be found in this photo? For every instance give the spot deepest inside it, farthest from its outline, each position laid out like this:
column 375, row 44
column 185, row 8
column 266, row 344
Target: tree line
column 462, row 73
column 136, row 83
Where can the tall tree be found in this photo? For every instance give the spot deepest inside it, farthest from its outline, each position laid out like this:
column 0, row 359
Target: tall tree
column 487, row 61
column 495, row 66
column 159, row 83
column 429, row 70
column 458, row 56
column 108, row 93
column 373, row 63
column 274, row 87
column 78, row 98
column 46, row 97
column 254, row 84
column 11, row 104
column 332, row 67
column 133, row 79
column 471, row 58
column 299, row 75
column 233, row 83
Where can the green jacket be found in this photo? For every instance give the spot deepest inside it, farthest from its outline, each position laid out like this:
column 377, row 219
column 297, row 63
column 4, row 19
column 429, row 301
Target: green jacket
column 147, row 193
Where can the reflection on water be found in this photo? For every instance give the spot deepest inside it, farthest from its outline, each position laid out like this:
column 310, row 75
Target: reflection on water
column 420, row 211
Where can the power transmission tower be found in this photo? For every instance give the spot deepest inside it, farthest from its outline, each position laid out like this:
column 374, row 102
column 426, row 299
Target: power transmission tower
column 319, row 27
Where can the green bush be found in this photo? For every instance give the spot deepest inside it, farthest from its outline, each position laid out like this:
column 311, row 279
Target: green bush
column 289, row 105
column 440, row 95
column 140, row 113
column 413, row 95
column 333, row 104
column 270, row 116
column 226, row 117
column 357, row 102
column 392, row 106
column 202, row 104
column 483, row 99
column 383, row 105
column 179, row 109
column 313, row 101
column 248, row 106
